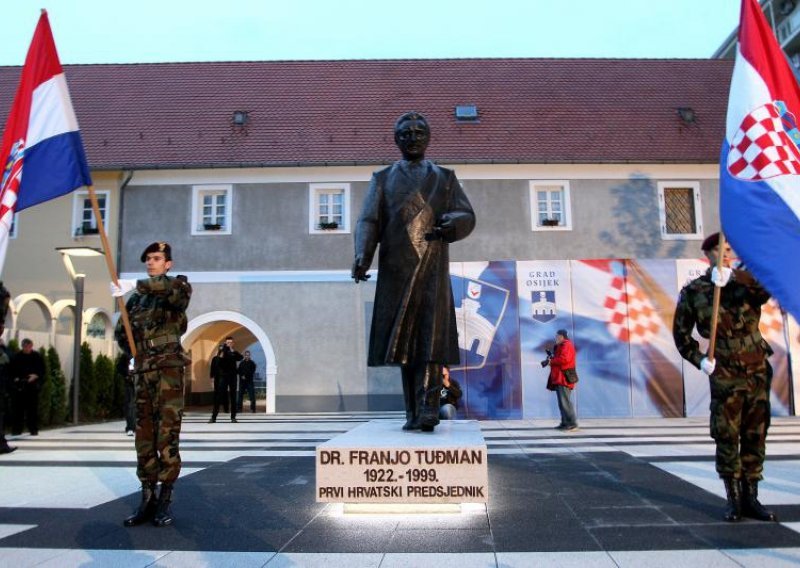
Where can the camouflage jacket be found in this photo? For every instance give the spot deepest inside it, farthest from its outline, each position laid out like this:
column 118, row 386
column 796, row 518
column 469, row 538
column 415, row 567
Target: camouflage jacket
column 157, row 312
column 739, row 315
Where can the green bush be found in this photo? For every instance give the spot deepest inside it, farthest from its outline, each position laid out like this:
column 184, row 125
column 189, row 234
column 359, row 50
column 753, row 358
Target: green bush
column 45, row 393
column 104, row 384
column 58, row 391
column 120, row 362
column 87, row 409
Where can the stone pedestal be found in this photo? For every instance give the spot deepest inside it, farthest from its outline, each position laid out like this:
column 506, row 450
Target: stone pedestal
column 379, row 463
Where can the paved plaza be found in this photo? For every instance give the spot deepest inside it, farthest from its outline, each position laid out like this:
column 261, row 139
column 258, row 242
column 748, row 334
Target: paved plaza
column 618, row 492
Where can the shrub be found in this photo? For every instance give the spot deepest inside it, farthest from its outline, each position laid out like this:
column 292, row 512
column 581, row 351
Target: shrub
column 58, row 391
column 87, row 409
column 104, row 385
column 45, row 393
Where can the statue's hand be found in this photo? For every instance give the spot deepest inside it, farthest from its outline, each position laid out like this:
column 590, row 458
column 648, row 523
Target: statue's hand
column 446, row 227
column 359, row 271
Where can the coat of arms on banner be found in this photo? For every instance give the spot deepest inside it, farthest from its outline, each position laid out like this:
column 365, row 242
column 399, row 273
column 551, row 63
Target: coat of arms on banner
column 473, row 290
column 543, row 305
column 477, row 318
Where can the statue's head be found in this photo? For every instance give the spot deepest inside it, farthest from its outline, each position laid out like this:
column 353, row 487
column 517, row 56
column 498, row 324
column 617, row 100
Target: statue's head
column 412, row 134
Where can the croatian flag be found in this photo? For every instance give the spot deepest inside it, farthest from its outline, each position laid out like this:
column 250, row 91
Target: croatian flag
column 42, row 152
column 760, row 161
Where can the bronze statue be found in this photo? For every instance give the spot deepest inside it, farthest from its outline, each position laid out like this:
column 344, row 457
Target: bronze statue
column 413, row 209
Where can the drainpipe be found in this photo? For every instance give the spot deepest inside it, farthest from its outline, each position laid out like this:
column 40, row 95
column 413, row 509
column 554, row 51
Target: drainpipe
column 122, row 187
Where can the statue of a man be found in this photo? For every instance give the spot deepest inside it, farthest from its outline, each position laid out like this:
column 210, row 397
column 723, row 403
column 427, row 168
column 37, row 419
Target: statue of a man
column 413, row 209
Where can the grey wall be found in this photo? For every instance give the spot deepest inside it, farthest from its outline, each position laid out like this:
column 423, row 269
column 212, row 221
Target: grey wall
column 611, row 218
column 319, row 330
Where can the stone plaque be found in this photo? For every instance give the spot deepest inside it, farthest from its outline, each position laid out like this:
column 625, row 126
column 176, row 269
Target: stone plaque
column 378, row 462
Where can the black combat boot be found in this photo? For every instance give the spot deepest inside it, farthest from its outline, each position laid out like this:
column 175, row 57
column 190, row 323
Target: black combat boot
column 163, row 516
column 733, row 511
column 147, row 507
column 751, row 507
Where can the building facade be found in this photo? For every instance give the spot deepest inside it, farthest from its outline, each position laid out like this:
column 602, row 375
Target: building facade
column 255, row 173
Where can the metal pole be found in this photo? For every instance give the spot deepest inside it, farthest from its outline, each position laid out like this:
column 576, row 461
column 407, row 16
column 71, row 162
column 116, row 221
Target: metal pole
column 76, row 348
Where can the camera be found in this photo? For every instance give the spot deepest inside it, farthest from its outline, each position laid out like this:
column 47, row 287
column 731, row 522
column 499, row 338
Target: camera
column 546, row 361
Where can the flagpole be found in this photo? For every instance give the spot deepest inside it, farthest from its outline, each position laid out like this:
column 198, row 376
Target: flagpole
column 712, row 340
column 112, row 269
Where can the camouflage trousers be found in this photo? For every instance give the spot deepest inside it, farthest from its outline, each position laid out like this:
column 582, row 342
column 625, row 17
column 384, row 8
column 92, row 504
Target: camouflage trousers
column 740, row 417
column 159, row 412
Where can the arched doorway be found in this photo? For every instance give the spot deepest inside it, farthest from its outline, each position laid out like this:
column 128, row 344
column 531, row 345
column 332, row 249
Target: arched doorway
column 207, row 331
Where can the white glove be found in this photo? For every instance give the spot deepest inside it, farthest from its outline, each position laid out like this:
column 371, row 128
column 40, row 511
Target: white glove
column 721, row 277
column 708, row 366
column 124, row 287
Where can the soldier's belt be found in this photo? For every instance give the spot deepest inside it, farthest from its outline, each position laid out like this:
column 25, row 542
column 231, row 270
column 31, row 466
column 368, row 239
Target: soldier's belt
column 736, row 343
column 155, row 342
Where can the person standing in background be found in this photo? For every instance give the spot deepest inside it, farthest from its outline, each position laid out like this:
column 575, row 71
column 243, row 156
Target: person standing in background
column 27, row 375
column 563, row 378
column 247, row 371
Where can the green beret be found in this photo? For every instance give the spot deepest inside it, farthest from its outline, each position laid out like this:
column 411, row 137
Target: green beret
column 157, row 247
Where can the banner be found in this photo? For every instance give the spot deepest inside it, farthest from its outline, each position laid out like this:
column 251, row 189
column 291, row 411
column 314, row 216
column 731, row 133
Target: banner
column 488, row 336
column 545, row 306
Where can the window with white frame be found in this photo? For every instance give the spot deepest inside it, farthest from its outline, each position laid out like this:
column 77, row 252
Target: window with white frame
column 679, row 210
column 550, row 206
column 83, row 219
column 329, row 208
column 211, row 209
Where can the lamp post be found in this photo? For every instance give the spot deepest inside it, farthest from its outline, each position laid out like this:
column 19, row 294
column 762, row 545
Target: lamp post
column 77, row 283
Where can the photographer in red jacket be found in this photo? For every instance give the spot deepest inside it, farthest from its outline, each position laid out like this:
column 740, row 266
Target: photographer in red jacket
column 563, row 378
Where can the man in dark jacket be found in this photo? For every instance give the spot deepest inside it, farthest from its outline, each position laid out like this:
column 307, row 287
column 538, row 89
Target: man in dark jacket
column 225, row 372
column 413, row 209
column 247, row 370
column 220, row 388
column 27, row 375
column 739, row 374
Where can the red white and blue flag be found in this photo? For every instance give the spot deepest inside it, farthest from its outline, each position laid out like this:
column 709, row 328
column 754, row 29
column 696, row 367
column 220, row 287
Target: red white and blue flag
column 42, row 153
column 760, row 161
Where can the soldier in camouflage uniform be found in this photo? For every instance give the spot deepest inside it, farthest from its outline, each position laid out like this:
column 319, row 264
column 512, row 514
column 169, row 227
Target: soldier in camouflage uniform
column 740, row 374
column 157, row 311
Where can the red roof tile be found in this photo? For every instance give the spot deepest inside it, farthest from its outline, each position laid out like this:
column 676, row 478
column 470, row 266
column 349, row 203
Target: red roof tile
column 179, row 115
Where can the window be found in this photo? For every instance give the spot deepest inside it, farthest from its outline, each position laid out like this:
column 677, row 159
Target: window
column 550, row 206
column 83, row 220
column 211, row 209
column 97, row 327
column 679, row 210
column 467, row 113
column 329, row 210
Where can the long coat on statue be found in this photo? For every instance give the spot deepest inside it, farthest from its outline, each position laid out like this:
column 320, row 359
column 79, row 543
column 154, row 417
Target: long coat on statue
column 414, row 317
